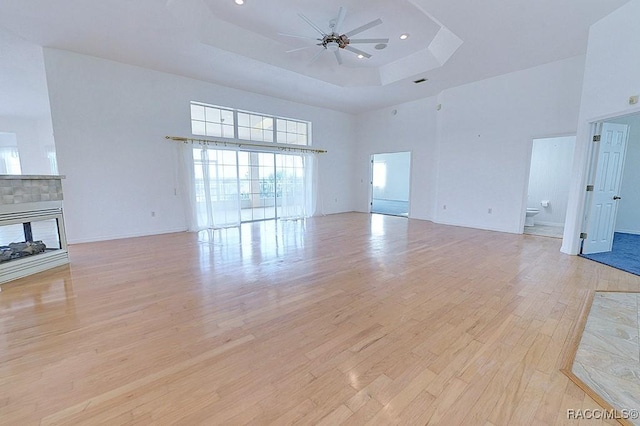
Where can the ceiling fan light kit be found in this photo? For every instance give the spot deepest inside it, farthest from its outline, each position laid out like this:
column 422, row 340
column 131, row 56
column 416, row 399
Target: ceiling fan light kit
column 333, row 41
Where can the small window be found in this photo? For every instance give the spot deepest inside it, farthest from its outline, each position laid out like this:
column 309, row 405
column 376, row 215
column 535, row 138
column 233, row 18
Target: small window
column 212, row 121
column 292, row 132
column 209, row 120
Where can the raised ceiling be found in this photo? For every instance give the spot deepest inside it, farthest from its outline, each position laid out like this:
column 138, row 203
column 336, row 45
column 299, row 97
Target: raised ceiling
column 450, row 43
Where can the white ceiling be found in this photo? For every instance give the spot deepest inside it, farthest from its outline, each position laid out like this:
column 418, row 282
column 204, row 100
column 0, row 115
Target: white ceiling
column 239, row 46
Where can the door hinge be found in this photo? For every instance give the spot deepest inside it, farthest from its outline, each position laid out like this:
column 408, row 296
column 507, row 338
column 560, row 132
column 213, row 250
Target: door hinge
column 589, row 188
column 596, row 138
column 583, row 235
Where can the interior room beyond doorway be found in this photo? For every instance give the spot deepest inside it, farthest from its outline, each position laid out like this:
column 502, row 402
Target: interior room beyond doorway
column 391, row 173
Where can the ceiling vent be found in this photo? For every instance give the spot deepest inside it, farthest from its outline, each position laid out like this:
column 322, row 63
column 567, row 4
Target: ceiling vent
column 422, row 80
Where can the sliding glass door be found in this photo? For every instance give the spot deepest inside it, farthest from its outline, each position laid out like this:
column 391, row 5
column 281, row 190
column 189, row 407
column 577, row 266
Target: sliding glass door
column 246, row 186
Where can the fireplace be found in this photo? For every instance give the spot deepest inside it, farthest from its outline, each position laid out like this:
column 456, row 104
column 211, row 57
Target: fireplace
column 32, row 234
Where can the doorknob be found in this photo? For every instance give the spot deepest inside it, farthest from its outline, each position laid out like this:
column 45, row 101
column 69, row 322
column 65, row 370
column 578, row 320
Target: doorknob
column 615, row 197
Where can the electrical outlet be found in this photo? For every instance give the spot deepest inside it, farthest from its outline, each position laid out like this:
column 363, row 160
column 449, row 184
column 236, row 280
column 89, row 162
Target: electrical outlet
column 633, row 100
column 444, row 207
column 489, row 210
column 153, row 214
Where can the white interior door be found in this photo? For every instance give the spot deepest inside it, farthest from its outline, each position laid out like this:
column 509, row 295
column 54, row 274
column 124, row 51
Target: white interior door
column 604, row 202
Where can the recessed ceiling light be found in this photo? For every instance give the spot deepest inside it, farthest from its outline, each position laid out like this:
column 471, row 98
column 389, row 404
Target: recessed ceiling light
column 404, row 36
column 360, row 56
column 380, row 46
column 239, row 2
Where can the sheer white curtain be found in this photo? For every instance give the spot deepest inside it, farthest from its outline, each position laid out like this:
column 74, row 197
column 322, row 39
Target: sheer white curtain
column 211, row 185
column 297, row 177
column 9, row 161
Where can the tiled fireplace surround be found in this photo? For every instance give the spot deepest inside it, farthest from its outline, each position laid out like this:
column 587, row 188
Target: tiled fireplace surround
column 26, row 199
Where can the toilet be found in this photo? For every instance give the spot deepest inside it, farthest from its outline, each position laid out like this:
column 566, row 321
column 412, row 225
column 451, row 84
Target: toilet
column 531, row 212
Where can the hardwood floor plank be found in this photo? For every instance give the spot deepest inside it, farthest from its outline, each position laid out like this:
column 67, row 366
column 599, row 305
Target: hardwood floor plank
column 343, row 319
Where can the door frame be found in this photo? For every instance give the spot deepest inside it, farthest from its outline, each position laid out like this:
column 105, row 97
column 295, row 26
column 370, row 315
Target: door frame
column 370, row 198
column 523, row 210
column 571, row 241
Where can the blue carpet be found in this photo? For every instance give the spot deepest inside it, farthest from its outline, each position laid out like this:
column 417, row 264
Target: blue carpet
column 625, row 254
column 392, row 207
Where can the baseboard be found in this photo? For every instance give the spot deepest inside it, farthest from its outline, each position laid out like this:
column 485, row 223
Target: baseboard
column 123, row 236
column 628, row 231
column 541, row 222
column 387, row 199
column 475, row 226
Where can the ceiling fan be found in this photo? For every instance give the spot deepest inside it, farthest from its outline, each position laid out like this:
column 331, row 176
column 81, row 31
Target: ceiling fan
column 333, row 41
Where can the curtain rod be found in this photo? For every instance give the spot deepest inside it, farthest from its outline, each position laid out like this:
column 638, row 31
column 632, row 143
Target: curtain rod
column 277, row 146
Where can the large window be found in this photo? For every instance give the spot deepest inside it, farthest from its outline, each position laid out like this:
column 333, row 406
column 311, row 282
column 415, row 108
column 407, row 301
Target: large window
column 215, row 121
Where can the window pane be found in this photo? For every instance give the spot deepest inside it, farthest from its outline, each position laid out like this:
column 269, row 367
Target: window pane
column 302, row 128
column 214, row 129
column 227, row 131
column 267, row 123
column 291, row 126
column 292, row 138
column 256, row 121
column 212, row 114
column 228, row 157
column 282, row 137
column 198, row 128
column 197, row 112
column 243, row 119
column 229, row 172
column 256, row 135
column 227, row 117
column 244, row 133
column 268, row 135
column 243, row 158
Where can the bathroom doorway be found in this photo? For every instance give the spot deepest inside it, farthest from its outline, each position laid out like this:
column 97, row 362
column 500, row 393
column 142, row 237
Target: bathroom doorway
column 548, row 189
column 390, row 181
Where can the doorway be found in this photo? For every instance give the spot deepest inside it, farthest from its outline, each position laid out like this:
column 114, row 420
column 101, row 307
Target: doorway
column 612, row 224
column 390, row 183
column 548, row 189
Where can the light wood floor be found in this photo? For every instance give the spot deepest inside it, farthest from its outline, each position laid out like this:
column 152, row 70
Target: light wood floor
column 347, row 319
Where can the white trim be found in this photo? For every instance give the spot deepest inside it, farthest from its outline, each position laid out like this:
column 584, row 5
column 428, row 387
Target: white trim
column 628, row 231
column 123, row 236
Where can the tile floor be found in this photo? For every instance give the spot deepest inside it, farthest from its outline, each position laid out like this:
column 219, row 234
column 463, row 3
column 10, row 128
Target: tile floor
column 608, row 357
column 545, row 230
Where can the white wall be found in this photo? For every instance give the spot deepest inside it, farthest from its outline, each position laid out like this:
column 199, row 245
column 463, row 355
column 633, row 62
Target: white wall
column 628, row 217
column 110, row 120
column 398, row 175
column 549, row 178
column 474, row 154
column 612, row 74
column 412, row 128
column 486, row 131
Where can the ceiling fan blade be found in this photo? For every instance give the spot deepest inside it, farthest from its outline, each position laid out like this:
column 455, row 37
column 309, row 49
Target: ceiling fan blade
column 315, row 27
column 364, row 28
column 299, row 48
column 357, row 51
column 338, row 56
column 299, row 36
column 316, row 56
column 339, row 20
column 369, row 40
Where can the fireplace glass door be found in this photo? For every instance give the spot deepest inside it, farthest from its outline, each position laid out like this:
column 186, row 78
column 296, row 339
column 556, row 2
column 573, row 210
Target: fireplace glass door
column 37, row 236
